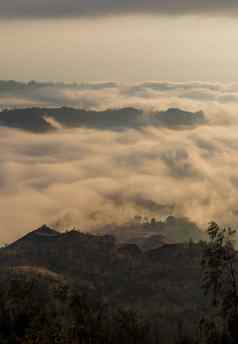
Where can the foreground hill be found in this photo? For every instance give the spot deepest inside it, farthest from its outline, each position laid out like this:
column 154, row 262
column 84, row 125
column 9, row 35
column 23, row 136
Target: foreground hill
column 163, row 282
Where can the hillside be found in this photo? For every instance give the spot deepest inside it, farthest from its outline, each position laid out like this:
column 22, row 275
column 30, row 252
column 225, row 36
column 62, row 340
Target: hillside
column 163, row 282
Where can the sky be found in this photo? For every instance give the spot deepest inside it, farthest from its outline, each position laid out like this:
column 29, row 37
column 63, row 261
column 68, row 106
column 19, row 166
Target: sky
column 127, row 41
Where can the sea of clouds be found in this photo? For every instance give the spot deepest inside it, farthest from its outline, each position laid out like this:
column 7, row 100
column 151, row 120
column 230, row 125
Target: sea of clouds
column 93, row 176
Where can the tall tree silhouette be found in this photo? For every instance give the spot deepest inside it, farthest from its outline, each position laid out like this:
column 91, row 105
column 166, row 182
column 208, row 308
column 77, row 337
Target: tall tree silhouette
column 220, row 284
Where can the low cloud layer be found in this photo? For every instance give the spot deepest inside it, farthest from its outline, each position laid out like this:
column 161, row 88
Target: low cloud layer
column 90, row 176
column 101, row 96
column 74, row 8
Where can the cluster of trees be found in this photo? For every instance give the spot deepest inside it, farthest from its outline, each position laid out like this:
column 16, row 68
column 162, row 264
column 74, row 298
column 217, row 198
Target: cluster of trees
column 35, row 310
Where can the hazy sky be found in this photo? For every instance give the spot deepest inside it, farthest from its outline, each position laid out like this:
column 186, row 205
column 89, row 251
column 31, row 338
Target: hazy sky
column 98, row 40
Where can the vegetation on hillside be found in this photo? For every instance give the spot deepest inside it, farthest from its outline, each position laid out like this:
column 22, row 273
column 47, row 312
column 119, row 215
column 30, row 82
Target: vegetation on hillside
column 42, row 304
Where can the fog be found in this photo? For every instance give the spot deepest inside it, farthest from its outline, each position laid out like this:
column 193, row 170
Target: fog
column 95, row 176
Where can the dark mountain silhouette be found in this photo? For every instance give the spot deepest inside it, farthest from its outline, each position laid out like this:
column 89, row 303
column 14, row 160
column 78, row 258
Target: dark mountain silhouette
column 42, row 234
column 40, row 120
column 178, row 119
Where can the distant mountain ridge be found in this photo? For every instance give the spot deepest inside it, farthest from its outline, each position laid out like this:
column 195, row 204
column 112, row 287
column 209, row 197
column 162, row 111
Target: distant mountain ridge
column 41, row 120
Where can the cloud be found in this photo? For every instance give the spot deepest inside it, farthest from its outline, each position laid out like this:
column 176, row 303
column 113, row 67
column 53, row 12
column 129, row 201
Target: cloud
column 85, row 8
column 88, row 177
column 139, row 201
column 189, row 104
column 150, row 96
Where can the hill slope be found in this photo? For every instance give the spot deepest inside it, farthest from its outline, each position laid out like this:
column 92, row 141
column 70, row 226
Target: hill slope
column 163, row 282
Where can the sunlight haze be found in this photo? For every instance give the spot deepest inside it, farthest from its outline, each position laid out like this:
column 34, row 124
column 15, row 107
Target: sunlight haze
column 121, row 48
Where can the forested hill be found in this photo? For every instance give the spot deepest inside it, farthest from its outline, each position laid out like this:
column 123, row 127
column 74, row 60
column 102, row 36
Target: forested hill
column 162, row 282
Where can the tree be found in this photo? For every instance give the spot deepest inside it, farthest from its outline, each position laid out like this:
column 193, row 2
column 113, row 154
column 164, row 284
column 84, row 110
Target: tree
column 220, row 282
column 130, row 327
